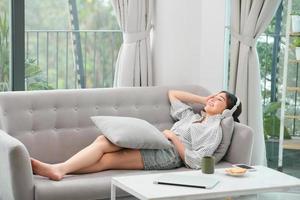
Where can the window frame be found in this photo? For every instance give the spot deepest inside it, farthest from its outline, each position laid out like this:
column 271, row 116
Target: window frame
column 17, row 55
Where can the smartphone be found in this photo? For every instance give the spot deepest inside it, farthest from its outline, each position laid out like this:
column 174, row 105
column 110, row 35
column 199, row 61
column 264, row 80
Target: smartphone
column 249, row 168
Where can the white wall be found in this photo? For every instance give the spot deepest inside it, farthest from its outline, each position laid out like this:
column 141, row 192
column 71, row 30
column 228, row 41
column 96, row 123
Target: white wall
column 188, row 42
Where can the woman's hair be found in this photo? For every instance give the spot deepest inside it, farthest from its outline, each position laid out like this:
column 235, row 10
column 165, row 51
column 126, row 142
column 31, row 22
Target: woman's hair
column 231, row 101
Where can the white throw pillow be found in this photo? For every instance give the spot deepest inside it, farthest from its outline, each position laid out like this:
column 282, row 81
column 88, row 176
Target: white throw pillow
column 129, row 132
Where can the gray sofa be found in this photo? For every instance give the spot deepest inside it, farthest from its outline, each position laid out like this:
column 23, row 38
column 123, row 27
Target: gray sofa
column 53, row 125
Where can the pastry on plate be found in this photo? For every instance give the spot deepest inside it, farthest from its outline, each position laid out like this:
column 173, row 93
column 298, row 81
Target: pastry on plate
column 236, row 171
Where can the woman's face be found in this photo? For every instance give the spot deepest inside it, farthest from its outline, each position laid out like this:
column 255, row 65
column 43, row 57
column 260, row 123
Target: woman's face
column 216, row 104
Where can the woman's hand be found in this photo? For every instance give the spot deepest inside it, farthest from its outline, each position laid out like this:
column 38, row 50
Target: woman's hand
column 186, row 97
column 209, row 97
column 169, row 134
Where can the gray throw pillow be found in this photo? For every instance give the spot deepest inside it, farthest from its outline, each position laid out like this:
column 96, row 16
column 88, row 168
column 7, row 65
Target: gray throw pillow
column 129, row 132
column 227, row 125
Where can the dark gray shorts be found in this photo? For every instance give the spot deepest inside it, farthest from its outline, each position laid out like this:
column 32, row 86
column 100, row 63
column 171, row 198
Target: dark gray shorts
column 155, row 159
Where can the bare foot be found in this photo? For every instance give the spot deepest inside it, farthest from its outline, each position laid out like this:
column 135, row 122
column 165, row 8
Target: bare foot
column 51, row 171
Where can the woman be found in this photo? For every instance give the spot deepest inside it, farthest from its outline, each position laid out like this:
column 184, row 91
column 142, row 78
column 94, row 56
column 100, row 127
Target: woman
column 194, row 135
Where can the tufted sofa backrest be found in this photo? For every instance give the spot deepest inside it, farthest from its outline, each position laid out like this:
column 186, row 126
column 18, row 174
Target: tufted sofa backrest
column 53, row 125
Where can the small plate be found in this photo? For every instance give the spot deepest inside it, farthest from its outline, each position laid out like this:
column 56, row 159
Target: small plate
column 235, row 171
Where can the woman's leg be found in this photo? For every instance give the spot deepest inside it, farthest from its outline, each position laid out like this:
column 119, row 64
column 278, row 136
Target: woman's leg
column 84, row 158
column 123, row 159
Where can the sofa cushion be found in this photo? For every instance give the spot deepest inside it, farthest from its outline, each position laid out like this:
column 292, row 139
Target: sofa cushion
column 75, row 187
column 84, row 186
column 240, row 148
column 130, row 132
column 90, row 186
column 227, row 126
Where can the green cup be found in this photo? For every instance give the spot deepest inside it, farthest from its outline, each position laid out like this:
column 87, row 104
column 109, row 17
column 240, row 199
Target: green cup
column 208, row 165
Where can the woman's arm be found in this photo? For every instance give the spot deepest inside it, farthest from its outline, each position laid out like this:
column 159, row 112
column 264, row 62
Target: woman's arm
column 187, row 97
column 193, row 158
column 177, row 143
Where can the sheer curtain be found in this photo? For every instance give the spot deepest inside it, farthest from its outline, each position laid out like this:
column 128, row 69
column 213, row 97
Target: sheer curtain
column 133, row 66
column 248, row 20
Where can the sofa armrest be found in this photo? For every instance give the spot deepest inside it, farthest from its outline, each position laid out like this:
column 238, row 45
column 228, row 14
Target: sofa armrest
column 15, row 170
column 240, row 149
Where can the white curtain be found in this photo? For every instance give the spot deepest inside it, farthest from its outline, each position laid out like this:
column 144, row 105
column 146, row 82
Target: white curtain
column 133, row 66
column 249, row 18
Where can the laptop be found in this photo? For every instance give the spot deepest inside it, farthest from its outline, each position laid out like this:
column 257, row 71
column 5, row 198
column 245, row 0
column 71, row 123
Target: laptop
column 187, row 180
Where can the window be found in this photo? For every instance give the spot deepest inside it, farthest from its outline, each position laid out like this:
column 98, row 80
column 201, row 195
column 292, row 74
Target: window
column 4, row 46
column 270, row 47
column 70, row 44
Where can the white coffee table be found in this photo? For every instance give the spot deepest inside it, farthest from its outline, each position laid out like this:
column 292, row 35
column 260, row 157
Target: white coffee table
column 261, row 181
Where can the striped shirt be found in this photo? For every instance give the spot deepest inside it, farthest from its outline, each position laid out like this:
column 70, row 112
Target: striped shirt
column 199, row 139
